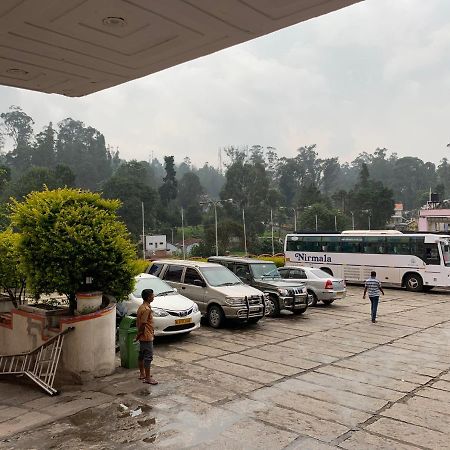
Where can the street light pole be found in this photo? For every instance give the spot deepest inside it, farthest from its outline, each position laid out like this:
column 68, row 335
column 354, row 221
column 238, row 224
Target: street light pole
column 317, row 224
column 369, row 221
column 245, row 234
column 271, row 223
column 215, row 221
column 215, row 203
column 294, row 210
column 353, row 220
column 182, row 232
column 143, row 231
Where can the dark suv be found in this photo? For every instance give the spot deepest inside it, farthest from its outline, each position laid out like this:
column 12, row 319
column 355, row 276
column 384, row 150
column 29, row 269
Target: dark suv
column 264, row 276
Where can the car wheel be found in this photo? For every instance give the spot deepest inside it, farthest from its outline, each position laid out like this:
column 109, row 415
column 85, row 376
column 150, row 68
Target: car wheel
column 414, row 282
column 327, row 302
column 273, row 307
column 312, row 298
column 216, row 317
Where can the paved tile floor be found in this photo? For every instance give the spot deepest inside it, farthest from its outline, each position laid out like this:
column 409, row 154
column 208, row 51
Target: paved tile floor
column 327, row 379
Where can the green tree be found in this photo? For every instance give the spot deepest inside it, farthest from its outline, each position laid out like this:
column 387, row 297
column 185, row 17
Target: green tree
column 211, row 179
column 12, row 278
column 328, row 219
column 131, row 184
column 248, row 185
column 5, row 177
column 44, row 148
column 370, row 198
column 412, row 177
column 190, row 190
column 19, row 126
column 83, row 150
column 169, row 189
column 39, row 178
column 69, row 236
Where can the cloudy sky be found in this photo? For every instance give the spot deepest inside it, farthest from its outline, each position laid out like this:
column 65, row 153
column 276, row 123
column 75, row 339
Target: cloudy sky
column 376, row 74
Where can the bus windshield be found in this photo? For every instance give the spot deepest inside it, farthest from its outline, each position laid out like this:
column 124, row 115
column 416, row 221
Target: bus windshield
column 445, row 248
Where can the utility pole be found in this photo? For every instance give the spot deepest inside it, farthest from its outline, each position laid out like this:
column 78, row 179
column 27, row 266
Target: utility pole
column 182, row 232
column 271, row 223
column 245, row 234
column 143, row 231
column 215, row 203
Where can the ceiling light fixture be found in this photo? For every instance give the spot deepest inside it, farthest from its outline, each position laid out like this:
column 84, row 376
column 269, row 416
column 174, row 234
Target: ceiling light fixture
column 113, row 21
column 15, row 71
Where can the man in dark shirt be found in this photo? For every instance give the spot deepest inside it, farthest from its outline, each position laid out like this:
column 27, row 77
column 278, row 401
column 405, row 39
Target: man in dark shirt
column 145, row 336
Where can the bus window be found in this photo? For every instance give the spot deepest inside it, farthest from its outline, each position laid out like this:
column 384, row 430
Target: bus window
column 331, row 244
column 294, row 244
column 398, row 245
column 312, row 244
column 428, row 253
column 374, row 245
column 351, row 245
column 445, row 253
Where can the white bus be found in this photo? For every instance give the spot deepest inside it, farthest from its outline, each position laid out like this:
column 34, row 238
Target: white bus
column 415, row 261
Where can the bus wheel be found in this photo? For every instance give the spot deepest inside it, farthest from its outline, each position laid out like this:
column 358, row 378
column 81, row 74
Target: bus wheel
column 327, row 270
column 414, row 282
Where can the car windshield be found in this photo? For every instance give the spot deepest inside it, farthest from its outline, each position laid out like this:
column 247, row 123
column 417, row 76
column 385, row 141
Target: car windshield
column 268, row 270
column 219, row 276
column 319, row 273
column 445, row 253
column 159, row 287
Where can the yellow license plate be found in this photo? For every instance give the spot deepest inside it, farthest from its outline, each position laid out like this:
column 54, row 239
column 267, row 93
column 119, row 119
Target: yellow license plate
column 182, row 321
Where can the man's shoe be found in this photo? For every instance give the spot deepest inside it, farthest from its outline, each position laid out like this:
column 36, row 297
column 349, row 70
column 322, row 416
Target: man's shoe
column 373, row 320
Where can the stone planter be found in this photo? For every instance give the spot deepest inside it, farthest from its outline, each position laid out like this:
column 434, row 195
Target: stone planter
column 6, row 305
column 88, row 302
column 51, row 314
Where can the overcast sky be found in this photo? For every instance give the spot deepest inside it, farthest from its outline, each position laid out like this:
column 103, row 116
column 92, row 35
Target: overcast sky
column 375, row 74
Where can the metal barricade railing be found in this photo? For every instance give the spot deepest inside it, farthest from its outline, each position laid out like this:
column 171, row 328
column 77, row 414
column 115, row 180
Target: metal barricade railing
column 39, row 365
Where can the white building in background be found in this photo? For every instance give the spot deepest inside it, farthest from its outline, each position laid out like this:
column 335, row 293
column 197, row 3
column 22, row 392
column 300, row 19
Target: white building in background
column 156, row 245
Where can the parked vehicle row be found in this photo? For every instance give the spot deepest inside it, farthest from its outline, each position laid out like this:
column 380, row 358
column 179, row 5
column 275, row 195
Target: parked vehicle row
column 240, row 289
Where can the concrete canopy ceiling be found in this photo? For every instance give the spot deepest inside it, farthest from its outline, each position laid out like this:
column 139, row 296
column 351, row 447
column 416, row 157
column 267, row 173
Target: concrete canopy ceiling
column 76, row 47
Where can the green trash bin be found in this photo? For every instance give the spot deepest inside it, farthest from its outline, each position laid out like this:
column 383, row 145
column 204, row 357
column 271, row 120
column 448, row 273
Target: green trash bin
column 129, row 348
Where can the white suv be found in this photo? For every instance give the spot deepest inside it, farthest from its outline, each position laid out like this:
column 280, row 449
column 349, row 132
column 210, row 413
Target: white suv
column 218, row 292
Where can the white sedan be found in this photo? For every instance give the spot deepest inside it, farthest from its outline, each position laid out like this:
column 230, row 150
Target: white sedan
column 172, row 312
column 321, row 285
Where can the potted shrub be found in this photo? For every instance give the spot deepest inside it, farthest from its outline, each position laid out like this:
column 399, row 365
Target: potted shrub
column 72, row 242
column 12, row 278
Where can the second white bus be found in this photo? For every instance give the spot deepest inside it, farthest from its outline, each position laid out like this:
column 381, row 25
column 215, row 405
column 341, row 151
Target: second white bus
column 415, row 261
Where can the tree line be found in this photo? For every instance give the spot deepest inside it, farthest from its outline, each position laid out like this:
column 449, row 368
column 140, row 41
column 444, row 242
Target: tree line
column 320, row 192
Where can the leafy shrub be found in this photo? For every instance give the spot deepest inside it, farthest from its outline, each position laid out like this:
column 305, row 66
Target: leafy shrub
column 140, row 266
column 278, row 260
column 72, row 240
column 12, row 278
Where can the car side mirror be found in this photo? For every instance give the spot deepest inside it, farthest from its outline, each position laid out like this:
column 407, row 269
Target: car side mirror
column 199, row 283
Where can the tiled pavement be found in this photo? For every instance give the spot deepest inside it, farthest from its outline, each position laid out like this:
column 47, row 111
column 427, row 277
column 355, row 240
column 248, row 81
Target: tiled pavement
column 327, row 379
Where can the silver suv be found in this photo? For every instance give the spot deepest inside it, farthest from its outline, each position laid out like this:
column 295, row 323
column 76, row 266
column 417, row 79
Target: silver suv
column 282, row 294
column 218, row 292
